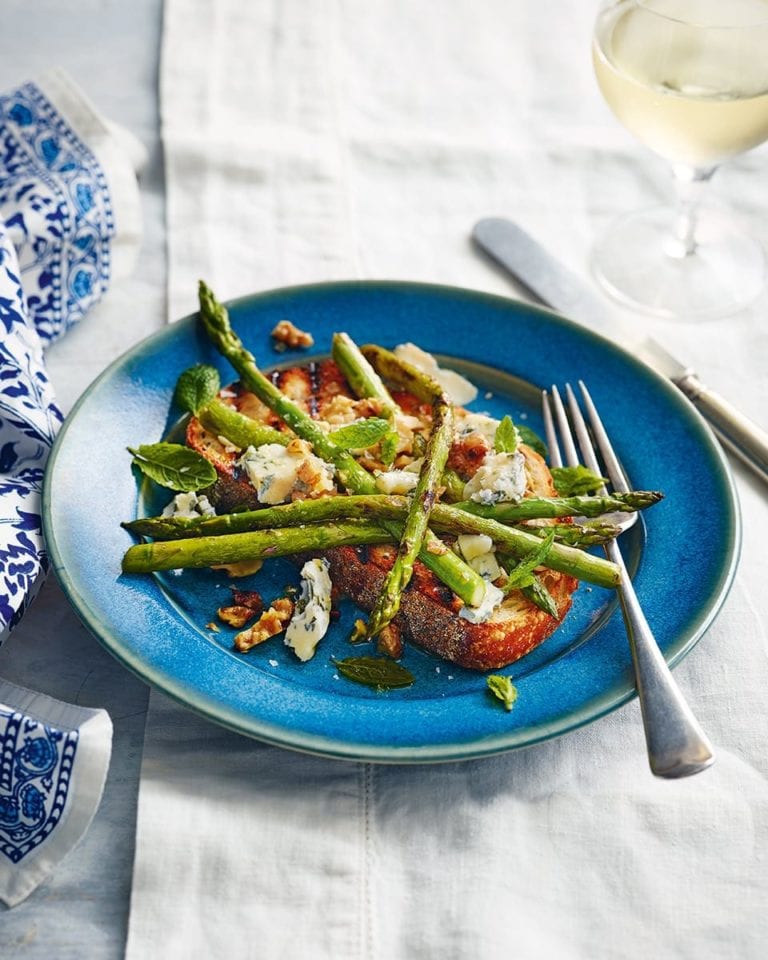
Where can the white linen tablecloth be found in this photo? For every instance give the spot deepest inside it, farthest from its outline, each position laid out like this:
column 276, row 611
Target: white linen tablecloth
column 312, row 140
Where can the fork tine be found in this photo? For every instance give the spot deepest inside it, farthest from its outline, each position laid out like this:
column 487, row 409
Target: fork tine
column 555, row 457
column 571, row 454
column 612, row 465
column 585, row 441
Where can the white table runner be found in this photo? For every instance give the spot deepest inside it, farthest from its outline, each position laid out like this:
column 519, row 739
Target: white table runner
column 313, row 140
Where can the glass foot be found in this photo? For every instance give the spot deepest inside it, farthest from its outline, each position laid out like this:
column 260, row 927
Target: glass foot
column 640, row 264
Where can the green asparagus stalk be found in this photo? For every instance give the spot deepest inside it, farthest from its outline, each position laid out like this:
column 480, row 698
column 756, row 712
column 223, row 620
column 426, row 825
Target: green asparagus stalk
column 354, row 507
column 422, row 501
column 223, row 420
column 579, row 535
column 360, row 375
column 453, row 486
column 536, row 508
column 366, row 382
column 256, row 545
column 454, row 573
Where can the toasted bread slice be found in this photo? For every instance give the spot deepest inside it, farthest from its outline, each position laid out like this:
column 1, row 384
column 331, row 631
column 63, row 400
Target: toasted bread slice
column 429, row 611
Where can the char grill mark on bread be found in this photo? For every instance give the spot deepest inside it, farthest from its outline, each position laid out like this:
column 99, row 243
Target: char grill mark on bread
column 429, row 612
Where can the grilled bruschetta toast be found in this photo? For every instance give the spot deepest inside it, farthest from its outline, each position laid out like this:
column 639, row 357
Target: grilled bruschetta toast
column 429, row 611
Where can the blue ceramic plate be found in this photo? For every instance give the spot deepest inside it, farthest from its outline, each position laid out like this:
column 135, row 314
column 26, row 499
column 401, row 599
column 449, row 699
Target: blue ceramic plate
column 684, row 556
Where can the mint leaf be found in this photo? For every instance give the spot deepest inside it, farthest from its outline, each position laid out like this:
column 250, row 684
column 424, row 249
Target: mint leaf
column 575, row 481
column 389, row 447
column 196, row 387
column 174, row 466
column 532, row 440
column 503, row 689
column 522, row 575
column 360, row 436
column 505, row 438
column 378, row 672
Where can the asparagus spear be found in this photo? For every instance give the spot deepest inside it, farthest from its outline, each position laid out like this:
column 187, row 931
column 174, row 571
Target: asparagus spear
column 579, row 535
column 423, row 499
column 454, row 486
column 363, row 507
column 536, row 508
column 364, row 378
column 359, row 374
column 258, row 544
column 221, row 419
column 454, row 573
column 354, row 507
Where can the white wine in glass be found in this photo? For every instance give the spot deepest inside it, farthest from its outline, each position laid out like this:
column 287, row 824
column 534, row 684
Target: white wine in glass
column 689, row 78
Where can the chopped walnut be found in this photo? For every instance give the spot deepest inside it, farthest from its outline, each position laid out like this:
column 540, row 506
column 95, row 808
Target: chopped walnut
column 289, row 334
column 390, row 642
column 341, row 410
column 236, row 616
column 248, row 598
column 269, row 624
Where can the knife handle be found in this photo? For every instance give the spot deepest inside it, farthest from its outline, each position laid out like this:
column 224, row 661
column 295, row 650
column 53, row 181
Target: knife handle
column 740, row 434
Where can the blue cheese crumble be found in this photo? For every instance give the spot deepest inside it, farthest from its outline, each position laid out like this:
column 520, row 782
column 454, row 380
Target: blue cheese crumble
column 477, row 550
column 313, row 610
column 484, row 610
column 280, row 474
column 189, row 505
column 501, row 478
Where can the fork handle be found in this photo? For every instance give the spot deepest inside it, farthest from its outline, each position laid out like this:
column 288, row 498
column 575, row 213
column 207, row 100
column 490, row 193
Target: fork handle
column 677, row 746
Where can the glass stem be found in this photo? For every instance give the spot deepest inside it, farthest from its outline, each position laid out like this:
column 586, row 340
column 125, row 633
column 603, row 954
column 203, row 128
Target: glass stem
column 690, row 183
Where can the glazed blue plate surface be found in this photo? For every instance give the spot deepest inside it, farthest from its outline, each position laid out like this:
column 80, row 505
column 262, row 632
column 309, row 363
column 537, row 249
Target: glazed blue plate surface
column 683, row 556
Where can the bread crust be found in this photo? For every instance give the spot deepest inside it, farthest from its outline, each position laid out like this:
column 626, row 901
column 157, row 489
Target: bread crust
column 429, row 613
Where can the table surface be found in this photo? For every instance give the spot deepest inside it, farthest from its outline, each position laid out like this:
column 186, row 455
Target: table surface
column 111, row 48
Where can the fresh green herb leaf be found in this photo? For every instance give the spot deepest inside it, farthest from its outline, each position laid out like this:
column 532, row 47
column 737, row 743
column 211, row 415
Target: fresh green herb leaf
column 537, row 593
column 505, row 439
column 389, row 447
column 503, row 689
column 531, row 439
column 360, row 436
column 174, row 466
column 378, row 672
column 196, row 387
column 521, row 575
column 575, row 481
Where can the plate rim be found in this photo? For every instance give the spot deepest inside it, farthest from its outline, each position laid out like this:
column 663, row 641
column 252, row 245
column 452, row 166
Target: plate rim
column 518, row 738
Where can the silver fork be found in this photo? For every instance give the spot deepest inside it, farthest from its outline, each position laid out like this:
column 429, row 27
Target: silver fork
column 677, row 746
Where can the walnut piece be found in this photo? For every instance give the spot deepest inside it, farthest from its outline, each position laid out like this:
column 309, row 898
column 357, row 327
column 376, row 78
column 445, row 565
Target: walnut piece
column 289, row 334
column 269, row 624
column 236, row 616
column 390, row 642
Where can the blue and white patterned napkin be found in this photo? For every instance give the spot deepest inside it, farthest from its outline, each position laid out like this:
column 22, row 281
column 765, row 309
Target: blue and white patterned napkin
column 69, row 220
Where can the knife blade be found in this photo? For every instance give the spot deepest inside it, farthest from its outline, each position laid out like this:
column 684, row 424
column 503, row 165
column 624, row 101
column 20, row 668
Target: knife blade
column 552, row 285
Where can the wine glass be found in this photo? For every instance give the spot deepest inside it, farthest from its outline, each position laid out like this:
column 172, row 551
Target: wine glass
column 689, row 78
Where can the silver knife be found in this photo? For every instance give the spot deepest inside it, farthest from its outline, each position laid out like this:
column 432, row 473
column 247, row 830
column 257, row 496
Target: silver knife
column 552, row 285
